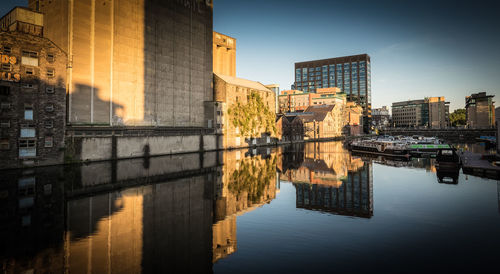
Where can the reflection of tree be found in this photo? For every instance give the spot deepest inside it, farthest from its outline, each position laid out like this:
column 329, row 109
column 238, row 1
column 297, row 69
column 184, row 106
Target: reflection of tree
column 252, row 179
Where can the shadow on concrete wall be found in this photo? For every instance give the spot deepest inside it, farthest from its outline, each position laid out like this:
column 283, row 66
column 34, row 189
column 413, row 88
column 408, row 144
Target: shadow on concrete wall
column 87, row 108
column 177, row 62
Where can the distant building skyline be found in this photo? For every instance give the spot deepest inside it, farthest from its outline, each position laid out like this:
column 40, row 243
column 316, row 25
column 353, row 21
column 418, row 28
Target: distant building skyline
column 417, row 49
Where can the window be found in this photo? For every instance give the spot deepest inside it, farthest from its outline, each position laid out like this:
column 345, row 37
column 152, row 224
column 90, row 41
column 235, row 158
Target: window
column 6, row 67
column 5, row 105
column 27, row 132
column 50, row 89
column 4, row 144
column 49, row 124
column 5, row 124
column 26, row 85
column 49, row 141
column 49, row 108
column 28, row 53
column 29, row 71
column 50, row 57
column 27, row 148
column 51, row 73
column 29, row 58
column 7, row 50
column 4, row 90
column 28, row 113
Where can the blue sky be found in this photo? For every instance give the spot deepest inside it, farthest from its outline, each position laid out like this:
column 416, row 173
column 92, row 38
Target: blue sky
column 418, row 48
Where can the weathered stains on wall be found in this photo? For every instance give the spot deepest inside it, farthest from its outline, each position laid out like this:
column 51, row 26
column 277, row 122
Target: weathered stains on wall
column 145, row 62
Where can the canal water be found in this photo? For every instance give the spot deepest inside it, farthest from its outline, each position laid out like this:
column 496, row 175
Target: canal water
column 305, row 208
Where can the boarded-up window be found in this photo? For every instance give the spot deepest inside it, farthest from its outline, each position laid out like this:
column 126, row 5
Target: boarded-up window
column 30, row 58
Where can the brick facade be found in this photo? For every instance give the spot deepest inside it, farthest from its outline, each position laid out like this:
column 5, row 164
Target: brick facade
column 228, row 91
column 33, row 100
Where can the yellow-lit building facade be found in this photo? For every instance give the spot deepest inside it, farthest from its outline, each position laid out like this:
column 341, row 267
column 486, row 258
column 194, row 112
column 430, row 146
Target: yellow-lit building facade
column 224, row 54
column 134, row 62
column 246, row 112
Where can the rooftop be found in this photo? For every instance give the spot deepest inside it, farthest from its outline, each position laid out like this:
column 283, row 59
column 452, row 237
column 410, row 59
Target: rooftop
column 242, row 82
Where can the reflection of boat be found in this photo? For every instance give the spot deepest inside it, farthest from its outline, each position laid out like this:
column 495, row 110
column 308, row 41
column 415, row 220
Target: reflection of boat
column 448, row 165
column 447, row 177
column 381, row 147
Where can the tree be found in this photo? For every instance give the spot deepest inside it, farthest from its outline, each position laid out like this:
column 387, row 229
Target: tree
column 253, row 118
column 457, row 117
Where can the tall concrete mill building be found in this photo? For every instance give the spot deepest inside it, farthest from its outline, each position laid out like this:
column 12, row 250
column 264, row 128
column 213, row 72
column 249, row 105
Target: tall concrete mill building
column 135, row 62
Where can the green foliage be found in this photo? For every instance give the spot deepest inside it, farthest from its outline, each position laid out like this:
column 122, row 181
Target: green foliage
column 253, row 179
column 457, row 118
column 253, row 118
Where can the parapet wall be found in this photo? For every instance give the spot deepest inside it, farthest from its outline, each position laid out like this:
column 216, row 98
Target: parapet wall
column 101, row 148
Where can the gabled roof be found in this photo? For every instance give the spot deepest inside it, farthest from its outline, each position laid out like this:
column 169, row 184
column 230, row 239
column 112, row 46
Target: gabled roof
column 242, row 82
column 318, row 113
column 319, row 108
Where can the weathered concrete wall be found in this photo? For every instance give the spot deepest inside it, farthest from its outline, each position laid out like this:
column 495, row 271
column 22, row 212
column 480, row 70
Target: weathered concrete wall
column 130, row 147
column 135, row 62
column 121, row 147
column 209, row 142
column 96, row 149
column 224, row 54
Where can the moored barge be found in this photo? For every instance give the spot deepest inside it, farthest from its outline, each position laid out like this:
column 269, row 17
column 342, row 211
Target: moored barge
column 377, row 147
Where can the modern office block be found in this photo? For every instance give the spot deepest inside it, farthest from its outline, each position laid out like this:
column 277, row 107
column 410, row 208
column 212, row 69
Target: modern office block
column 352, row 74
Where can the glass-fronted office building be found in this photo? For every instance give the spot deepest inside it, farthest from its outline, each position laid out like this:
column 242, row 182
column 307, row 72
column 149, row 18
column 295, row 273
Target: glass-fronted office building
column 352, row 74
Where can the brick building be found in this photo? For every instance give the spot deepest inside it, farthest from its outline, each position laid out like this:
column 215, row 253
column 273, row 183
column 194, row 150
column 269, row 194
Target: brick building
column 32, row 92
column 298, row 101
column 290, row 127
column 323, row 121
column 245, row 111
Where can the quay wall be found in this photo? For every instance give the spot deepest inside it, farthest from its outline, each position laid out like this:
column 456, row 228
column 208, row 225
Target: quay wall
column 101, row 148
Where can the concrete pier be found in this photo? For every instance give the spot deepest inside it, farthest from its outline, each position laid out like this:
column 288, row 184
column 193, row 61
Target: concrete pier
column 475, row 164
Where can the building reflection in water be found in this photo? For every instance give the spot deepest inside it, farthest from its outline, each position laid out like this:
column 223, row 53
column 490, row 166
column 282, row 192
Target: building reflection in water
column 248, row 181
column 328, row 178
column 175, row 214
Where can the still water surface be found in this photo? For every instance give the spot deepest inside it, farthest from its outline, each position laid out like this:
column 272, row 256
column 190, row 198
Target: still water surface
column 296, row 209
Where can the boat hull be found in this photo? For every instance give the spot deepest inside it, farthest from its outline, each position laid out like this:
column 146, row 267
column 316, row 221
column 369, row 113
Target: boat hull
column 388, row 152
